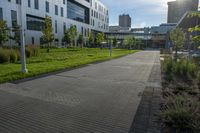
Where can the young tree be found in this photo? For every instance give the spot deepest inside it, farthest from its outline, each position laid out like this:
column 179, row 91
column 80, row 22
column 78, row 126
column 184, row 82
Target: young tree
column 48, row 35
column 4, row 35
column 91, row 39
column 80, row 40
column 99, row 39
column 73, row 34
column 130, row 42
column 114, row 41
column 177, row 36
column 16, row 30
column 66, row 39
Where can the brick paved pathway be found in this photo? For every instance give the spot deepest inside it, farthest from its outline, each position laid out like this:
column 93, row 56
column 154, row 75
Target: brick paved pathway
column 99, row 98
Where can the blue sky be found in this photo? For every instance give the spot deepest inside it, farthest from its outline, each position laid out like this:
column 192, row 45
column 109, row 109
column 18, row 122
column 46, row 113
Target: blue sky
column 143, row 12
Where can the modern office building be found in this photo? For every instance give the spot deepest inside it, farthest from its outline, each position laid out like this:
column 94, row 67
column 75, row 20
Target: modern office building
column 86, row 15
column 125, row 20
column 176, row 9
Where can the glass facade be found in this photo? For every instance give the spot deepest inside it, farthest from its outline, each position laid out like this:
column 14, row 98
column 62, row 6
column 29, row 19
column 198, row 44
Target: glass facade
column 1, row 14
column 35, row 23
column 77, row 12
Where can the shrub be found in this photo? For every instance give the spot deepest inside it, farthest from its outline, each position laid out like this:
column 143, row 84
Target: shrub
column 28, row 52
column 182, row 113
column 4, row 56
column 32, row 50
column 13, row 56
column 180, row 68
column 168, row 65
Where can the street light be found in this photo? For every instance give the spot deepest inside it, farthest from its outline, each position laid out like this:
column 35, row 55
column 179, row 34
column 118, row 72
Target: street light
column 22, row 38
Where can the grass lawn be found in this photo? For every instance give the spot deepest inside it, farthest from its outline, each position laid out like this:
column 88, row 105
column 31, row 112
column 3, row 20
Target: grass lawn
column 57, row 59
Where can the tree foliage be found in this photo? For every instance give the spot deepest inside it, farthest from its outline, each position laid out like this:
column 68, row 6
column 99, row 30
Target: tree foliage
column 100, row 38
column 195, row 38
column 130, row 42
column 73, row 34
column 16, row 30
column 48, row 35
column 80, row 40
column 4, row 35
column 177, row 37
column 114, row 41
column 66, row 39
column 91, row 39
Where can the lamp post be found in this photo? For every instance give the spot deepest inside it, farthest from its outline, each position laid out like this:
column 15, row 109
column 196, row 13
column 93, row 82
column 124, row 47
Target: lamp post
column 22, row 38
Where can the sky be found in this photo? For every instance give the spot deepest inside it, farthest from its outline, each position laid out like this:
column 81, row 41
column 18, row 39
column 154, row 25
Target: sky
column 144, row 13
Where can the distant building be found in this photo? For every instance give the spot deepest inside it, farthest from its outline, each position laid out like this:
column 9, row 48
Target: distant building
column 163, row 28
column 124, row 20
column 119, row 29
column 176, row 9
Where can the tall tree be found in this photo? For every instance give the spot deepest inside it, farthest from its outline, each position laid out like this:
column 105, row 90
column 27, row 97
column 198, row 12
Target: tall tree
column 177, row 37
column 99, row 39
column 80, row 40
column 48, row 35
column 73, row 34
column 4, row 35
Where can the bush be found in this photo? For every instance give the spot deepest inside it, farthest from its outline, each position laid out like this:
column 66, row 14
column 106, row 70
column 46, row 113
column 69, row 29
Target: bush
column 183, row 67
column 168, row 65
column 4, row 56
column 182, row 113
column 8, row 56
column 32, row 50
column 13, row 56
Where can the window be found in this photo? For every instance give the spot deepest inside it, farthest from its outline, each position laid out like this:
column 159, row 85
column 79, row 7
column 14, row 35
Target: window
column 56, row 10
column 64, row 2
column 1, row 14
column 77, row 12
column 36, row 3
column 14, row 18
column 29, row 3
column 56, row 27
column 82, row 30
column 18, row 1
column 64, row 27
column 47, row 6
column 35, row 23
column 61, row 11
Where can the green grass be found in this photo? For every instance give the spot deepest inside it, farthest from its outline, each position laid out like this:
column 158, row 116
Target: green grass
column 58, row 59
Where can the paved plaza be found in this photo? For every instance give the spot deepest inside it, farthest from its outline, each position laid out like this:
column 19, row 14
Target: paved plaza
column 97, row 98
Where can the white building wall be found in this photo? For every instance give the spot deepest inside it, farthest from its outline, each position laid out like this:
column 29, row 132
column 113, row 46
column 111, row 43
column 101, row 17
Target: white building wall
column 41, row 12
